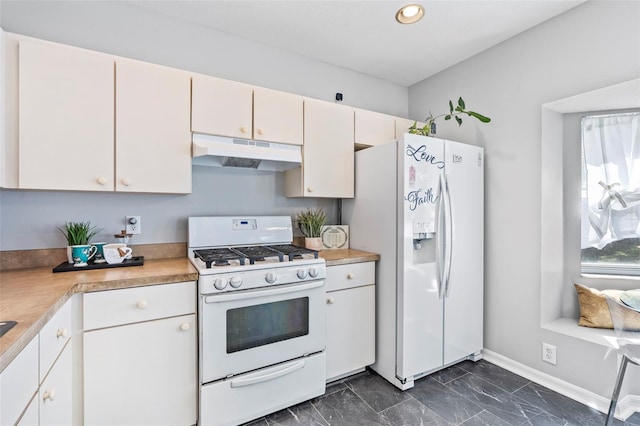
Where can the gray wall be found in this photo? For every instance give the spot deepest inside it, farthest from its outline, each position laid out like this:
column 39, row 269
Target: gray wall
column 28, row 219
column 594, row 45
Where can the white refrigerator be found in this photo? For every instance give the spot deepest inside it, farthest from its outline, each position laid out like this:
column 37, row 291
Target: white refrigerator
column 419, row 203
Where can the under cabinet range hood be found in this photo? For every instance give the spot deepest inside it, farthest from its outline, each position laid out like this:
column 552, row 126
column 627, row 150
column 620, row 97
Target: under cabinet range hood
column 219, row 151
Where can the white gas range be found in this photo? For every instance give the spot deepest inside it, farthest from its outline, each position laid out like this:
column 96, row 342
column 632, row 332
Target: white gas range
column 261, row 317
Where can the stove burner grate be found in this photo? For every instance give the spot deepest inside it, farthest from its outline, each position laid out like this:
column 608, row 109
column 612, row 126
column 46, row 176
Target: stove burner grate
column 293, row 252
column 222, row 256
column 219, row 256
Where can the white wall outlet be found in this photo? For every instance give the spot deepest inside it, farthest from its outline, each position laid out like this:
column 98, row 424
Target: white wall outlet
column 549, row 353
column 133, row 224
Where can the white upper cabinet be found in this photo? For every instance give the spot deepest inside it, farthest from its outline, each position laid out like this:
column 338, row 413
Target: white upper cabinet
column 277, row 116
column 66, row 118
column 328, row 157
column 221, row 107
column 373, row 128
column 227, row 108
column 153, row 139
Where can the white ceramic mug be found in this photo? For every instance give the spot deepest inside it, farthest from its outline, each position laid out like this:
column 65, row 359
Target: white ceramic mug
column 116, row 253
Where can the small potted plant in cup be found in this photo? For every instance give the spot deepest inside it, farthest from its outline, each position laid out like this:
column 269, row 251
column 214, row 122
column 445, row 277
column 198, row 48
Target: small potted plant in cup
column 77, row 233
column 310, row 223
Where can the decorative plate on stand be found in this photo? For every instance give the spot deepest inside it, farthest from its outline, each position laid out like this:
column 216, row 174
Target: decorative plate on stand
column 335, row 237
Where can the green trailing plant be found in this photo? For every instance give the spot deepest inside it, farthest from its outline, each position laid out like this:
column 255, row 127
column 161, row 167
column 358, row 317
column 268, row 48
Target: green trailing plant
column 78, row 233
column 310, row 222
column 454, row 112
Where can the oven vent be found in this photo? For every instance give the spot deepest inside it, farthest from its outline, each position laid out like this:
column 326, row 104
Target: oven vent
column 218, row 151
column 246, row 163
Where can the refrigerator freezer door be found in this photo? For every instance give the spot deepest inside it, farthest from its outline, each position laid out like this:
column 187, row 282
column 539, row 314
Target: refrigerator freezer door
column 420, row 309
column 463, row 305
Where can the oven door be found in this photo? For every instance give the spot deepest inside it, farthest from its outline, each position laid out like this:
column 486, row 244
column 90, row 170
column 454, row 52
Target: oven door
column 247, row 330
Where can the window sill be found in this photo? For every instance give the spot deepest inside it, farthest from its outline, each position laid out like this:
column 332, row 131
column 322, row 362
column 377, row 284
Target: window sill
column 570, row 327
column 611, row 276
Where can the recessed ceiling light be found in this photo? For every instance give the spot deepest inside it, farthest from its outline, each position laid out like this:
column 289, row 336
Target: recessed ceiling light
column 409, row 14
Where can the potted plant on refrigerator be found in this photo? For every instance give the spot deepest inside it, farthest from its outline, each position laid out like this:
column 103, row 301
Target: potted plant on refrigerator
column 77, row 233
column 310, row 223
column 454, row 112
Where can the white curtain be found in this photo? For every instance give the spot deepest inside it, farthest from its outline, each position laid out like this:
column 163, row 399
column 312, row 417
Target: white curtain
column 611, row 190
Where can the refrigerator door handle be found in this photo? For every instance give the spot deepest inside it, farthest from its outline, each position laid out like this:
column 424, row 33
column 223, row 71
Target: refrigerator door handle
column 441, row 238
column 448, row 238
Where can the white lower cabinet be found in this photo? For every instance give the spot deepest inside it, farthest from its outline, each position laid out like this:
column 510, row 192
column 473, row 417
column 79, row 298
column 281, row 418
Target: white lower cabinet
column 18, row 384
column 350, row 318
column 36, row 387
column 142, row 373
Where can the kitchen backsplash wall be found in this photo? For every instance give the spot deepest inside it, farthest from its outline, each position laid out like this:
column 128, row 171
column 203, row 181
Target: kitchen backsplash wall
column 28, row 219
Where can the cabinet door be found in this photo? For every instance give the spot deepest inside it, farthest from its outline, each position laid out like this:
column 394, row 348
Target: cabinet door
column 328, row 154
column 65, row 118
column 373, row 128
column 55, row 393
column 153, row 141
column 277, row 116
column 221, row 107
column 350, row 330
column 142, row 373
column 18, row 383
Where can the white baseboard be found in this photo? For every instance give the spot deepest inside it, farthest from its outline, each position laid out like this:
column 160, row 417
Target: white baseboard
column 625, row 408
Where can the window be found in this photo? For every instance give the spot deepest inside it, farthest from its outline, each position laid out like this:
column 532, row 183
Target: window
column 610, row 226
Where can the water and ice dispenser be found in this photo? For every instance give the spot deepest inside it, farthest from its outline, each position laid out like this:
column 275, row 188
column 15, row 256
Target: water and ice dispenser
column 424, row 241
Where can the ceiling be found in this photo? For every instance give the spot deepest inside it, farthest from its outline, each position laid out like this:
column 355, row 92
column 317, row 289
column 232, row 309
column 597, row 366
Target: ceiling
column 363, row 35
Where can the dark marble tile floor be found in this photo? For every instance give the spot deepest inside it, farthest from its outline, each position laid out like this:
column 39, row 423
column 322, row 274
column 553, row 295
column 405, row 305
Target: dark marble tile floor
column 468, row 394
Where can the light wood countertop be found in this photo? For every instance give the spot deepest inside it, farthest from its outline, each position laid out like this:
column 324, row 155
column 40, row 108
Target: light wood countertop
column 347, row 256
column 32, row 296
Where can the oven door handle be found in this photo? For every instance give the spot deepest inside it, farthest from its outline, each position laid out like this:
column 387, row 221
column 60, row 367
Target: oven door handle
column 237, row 383
column 241, row 295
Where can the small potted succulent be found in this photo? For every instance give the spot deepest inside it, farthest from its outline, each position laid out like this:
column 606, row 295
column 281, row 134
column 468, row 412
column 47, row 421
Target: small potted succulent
column 77, row 233
column 310, row 223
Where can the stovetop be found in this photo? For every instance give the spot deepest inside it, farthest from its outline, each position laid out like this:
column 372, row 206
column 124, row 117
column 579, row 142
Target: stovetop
column 234, row 253
column 239, row 256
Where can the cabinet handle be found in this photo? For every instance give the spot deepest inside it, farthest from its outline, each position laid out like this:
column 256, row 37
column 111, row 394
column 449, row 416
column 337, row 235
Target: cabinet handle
column 186, row 326
column 331, row 301
column 309, row 189
column 62, row 333
column 50, row 395
column 260, row 132
column 350, row 276
column 126, row 182
column 244, row 129
column 102, row 181
column 142, row 304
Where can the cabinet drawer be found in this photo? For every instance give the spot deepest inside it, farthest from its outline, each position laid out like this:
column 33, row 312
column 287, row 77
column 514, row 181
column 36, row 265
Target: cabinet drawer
column 117, row 307
column 53, row 336
column 347, row 276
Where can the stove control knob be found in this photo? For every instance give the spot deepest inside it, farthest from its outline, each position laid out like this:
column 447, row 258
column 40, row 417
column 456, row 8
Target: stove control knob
column 313, row 272
column 220, row 283
column 302, row 274
column 271, row 277
column 235, row 281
